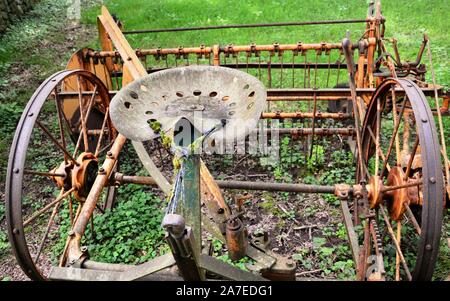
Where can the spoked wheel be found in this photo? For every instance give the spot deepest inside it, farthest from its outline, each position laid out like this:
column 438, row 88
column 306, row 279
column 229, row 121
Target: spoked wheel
column 404, row 176
column 62, row 135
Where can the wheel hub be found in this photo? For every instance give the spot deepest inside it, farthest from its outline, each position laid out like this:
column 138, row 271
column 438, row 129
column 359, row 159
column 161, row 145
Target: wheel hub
column 396, row 198
column 84, row 174
column 80, row 176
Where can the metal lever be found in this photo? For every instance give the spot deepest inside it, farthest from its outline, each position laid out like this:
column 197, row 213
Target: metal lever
column 181, row 242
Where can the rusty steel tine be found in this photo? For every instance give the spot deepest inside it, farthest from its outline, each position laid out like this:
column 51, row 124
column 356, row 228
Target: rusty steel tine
column 397, row 246
column 280, row 56
column 315, row 71
column 259, row 67
column 291, row 146
column 304, row 70
column 339, row 69
column 293, row 70
column 145, row 61
column 329, row 69
column 313, row 125
column 166, row 61
column 246, row 67
column 269, row 71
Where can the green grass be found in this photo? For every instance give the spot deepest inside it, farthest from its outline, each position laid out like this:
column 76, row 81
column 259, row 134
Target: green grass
column 406, row 21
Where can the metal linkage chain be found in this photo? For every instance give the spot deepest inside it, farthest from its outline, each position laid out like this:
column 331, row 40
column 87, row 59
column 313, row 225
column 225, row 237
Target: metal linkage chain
column 378, row 242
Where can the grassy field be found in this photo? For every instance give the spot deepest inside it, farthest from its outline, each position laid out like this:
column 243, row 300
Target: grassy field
column 42, row 44
column 407, row 21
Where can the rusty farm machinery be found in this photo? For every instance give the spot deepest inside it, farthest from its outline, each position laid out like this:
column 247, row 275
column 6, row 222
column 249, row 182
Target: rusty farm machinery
column 216, row 96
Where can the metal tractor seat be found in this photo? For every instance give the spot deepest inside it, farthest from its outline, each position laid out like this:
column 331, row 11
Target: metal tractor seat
column 205, row 95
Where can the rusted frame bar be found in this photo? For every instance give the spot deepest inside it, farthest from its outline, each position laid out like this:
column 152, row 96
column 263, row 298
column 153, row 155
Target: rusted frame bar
column 257, row 25
column 300, row 115
column 286, row 187
column 221, row 49
column 73, row 252
column 308, row 131
column 322, row 94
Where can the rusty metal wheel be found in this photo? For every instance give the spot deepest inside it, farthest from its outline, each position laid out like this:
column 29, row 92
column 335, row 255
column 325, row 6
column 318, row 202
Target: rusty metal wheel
column 63, row 133
column 404, row 177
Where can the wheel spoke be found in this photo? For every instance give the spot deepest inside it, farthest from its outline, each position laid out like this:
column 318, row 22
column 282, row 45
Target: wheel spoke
column 396, row 243
column 406, row 185
column 100, row 138
column 47, row 230
column 380, row 152
column 46, row 131
column 377, row 140
column 411, row 158
column 397, row 256
column 412, row 218
column 43, row 173
column 60, row 123
column 396, row 124
column 48, row 206
column 83, row 122
column 391, row 142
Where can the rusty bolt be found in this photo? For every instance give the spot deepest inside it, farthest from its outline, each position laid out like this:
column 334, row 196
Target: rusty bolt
column 109, row 154
column 101, row 170
column 174, row 224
